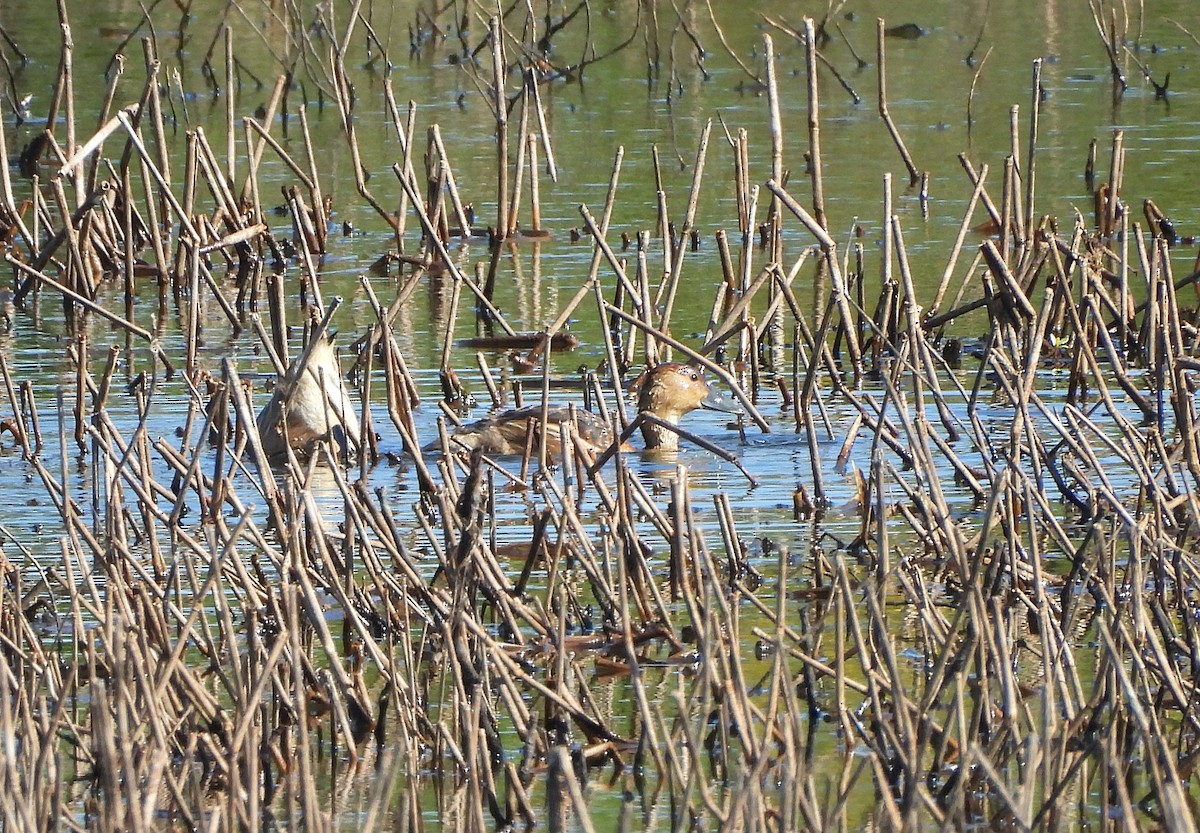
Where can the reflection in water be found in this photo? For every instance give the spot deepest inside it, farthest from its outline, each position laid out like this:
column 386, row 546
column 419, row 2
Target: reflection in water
column 457, row 675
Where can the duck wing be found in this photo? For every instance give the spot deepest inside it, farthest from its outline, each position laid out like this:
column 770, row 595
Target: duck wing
column 506, row 433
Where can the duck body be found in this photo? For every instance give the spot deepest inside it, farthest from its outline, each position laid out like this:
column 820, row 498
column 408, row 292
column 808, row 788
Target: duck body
column 508, row 432
column 309, row 404
column 666, row 392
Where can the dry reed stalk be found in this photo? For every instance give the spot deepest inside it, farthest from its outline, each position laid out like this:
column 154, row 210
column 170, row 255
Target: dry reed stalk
column 1030, row 171
column 916, row 338
column 440, row 248
column 255, row 150
column 9, row 201
column 499, row 104
column 829, row 249
column 535, row 197
column 76, row 298
column 962, row 739
column 956, row 250
column 814, row 128
column 602, row 227
column 1016, row 208
column 404, row 134
column 617, row 264
column 914, row 176
column 667, row 290
column 518, row 182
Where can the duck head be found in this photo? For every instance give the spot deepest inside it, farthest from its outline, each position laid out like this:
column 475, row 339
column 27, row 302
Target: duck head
column 668, row 391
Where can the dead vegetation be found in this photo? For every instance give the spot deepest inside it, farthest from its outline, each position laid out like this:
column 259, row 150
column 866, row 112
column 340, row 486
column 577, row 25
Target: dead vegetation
column 211, row 648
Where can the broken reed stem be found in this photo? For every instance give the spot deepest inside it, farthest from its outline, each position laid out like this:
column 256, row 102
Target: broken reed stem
column 914, row 175
column 963, row 230
column 440, row 248
column 518, row 183
column 814, row 128
column 1035, row 106
column 500, row 111
column 236, row 679
column 829, row 249
column 679, row 244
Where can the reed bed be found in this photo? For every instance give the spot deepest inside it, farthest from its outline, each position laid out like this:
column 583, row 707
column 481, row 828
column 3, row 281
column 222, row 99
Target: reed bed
column 212, row 648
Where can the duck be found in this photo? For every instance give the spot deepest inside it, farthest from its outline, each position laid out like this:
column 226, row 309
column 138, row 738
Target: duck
column 665, row 392
column 310, row 403
column 668, row 391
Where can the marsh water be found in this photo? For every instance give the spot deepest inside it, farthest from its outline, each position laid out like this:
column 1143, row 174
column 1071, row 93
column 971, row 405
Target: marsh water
column 623, row 102
column 654, row 103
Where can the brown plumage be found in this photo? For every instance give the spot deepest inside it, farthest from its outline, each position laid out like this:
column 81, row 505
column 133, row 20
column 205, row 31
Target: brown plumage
column 313, row 403
column 666, row 391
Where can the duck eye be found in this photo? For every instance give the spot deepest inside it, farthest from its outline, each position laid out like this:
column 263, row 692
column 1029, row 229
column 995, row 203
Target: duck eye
column 695, row 376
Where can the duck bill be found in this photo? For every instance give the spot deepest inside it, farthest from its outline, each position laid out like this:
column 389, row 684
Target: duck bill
column 715, row 401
